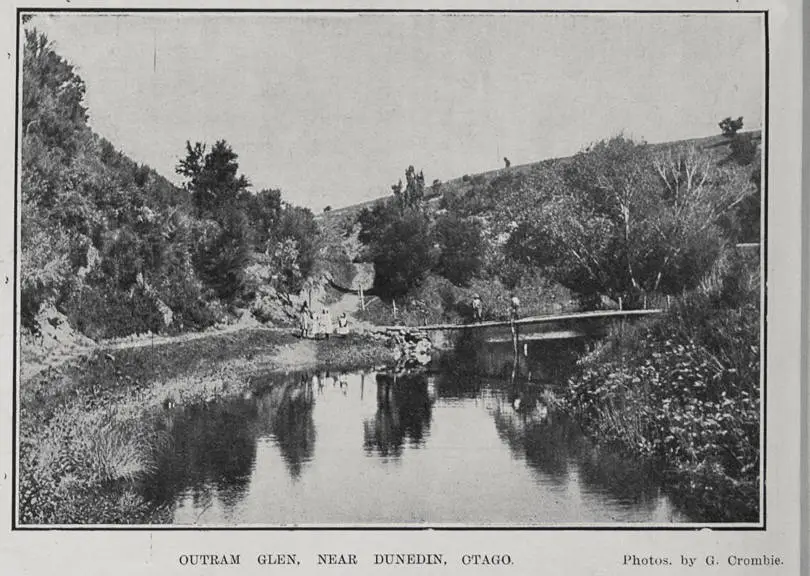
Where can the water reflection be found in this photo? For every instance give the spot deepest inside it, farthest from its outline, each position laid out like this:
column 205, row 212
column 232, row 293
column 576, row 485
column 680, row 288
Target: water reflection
column 548, row 441
column 555, row 448
column 395, row 447
column 287, row 410
column 211, row 448
column 404, row 411
column 536, row 360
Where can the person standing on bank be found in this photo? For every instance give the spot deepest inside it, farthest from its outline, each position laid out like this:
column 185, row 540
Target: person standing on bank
column 477, row 308
column 514, row 305
column 326, row 322
column 304, row 320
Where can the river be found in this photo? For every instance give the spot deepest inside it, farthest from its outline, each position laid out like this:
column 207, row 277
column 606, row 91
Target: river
column 444, row 447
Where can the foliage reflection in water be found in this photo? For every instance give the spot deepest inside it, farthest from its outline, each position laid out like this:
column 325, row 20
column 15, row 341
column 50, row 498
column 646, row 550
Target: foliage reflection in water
column 446, row 447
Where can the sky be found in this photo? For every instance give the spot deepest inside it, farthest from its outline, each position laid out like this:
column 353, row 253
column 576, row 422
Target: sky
column 332, row 108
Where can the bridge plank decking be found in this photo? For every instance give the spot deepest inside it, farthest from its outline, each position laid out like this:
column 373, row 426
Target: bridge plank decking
column 530, row 320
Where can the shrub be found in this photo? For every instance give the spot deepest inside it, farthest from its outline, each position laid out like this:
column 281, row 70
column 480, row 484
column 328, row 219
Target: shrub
column 623, row 220
column 743, row 149
column 729, row 126
column 684, row 390
column 461, row 248
column 402, row 254
column 223, row 255
column 102, row 312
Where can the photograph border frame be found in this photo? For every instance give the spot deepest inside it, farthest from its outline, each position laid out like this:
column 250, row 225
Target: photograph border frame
column 760, row 526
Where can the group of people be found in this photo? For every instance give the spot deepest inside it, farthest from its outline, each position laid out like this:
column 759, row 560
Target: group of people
column 478, row 308
column 315, row 325
column 326, row 379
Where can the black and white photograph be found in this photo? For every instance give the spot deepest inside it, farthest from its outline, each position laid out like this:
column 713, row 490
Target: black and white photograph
column 442, row 269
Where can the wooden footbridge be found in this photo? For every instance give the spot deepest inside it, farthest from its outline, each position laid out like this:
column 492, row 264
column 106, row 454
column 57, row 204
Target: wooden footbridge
column 551, row 327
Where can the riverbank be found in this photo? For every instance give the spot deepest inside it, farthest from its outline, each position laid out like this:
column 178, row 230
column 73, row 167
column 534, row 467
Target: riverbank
column 682, row 392
column 87, row 427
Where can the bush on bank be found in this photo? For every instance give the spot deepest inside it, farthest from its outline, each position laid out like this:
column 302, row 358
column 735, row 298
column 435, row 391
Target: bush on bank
column 684, row 390
column 439, row 301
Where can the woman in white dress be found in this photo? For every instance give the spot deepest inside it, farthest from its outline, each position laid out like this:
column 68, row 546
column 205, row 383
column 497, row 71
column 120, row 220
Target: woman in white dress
column 343, row 325
column 326, row 323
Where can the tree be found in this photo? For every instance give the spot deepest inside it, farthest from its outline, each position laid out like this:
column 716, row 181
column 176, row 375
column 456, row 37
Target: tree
column 372, row 221
column 219, row 196
column 224, row 253
column 402, row 254
column 731, row 127
column 212, row 177
column 397, row 235
column 461, row 248
column 264, row 211
column 414, row 192
column 624, row 220
column 284, row 259
column 298, row 224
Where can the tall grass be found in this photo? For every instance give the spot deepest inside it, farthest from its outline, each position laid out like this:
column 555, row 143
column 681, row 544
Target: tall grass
column 119, row 451
column 82, row 462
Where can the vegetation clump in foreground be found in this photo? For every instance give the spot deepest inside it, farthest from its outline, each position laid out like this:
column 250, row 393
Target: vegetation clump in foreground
column 684, row 390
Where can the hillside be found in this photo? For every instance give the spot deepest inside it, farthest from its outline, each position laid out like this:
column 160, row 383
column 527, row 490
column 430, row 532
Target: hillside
column 111, row 249
column 619, row 223
column 719, row 147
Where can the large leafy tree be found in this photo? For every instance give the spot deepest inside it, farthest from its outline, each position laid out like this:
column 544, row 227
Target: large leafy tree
column 402, row 254
column 298, row 225
column 212, row 177
column 218, row 192
column 264, row 210
column 623, row 220
column 461, row 248
column 398, row 237
column 224, row 254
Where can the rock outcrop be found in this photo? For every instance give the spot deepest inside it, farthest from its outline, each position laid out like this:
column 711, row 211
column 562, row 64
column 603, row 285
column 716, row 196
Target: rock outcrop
column 412, row 346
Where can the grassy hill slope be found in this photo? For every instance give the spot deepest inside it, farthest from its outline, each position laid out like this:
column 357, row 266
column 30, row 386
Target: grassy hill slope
column 719, row 148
